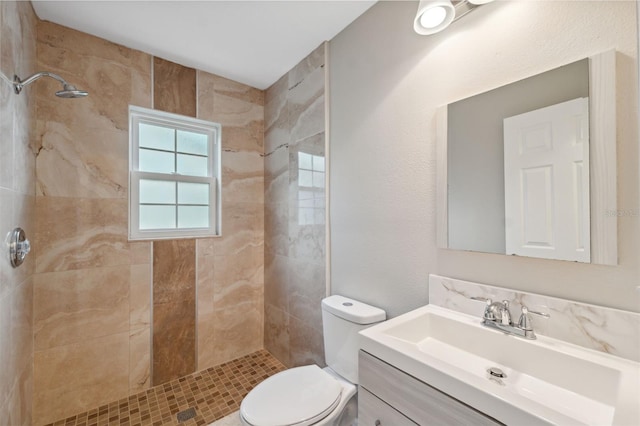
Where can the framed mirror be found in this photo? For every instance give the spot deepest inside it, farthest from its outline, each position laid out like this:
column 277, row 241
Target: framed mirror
column 528, row 168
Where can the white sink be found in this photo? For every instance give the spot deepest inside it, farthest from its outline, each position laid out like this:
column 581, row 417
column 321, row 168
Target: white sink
column 547, row 381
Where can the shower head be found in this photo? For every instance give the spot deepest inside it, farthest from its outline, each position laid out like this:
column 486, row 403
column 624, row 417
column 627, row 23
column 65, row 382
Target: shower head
column 68, row 90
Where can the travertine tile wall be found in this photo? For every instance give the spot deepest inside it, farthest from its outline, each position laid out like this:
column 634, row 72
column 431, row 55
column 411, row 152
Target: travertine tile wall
column 92, row 290
column 92, row 287
column 174, row 88
column 174, row 262
column 17, row 201
column 230, row 280
column 294, row 215
column 174, row 310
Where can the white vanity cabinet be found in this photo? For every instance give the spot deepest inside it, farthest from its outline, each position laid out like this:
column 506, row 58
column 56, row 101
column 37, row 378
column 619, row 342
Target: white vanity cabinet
column 390, row 397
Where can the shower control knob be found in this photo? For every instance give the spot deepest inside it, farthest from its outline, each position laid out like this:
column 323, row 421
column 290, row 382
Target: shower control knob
column 19, row 247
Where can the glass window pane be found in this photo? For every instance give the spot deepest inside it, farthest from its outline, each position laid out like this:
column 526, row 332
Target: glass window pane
column 304, row 161
column 192, row 165
column 318, row 163
column 156, row 137
column 193, row 143
column 305, row 216
column 193, row 193
column 156, row 161
column 318, row 179
column 305, row 195
column 157, row 191
column 193, row 217
column 305, row 178
column 305, row 203
column 157, row 217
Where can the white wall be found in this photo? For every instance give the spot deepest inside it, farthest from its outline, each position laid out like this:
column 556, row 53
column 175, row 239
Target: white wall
column 386, row 83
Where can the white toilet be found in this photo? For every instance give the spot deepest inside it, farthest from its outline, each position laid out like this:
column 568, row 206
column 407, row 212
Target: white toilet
column 310, row 395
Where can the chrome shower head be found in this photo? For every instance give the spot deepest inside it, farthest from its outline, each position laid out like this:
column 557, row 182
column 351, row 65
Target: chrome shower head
column 68, row 90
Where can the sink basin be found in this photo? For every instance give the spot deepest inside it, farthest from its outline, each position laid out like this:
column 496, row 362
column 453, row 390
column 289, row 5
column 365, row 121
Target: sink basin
column 547, row 381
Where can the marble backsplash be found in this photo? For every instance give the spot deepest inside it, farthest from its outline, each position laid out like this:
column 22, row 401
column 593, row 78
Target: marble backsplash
column 603, row 329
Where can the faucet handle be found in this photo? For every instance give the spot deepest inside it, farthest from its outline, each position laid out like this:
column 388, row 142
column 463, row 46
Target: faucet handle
column 488, row 313
column 525, row 322
column 542, row 314
column 482, row 299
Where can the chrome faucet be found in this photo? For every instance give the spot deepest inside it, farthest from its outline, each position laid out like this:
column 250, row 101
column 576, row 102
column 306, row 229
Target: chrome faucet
column 497, row 316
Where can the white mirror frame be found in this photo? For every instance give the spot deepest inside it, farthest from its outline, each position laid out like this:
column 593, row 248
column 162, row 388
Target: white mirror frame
column 603, row 180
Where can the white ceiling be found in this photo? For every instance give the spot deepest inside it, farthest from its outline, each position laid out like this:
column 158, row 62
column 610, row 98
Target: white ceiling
column 253, row 42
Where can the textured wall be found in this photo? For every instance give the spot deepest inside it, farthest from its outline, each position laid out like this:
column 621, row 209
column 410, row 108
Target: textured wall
column 92, row 291
column 231, row 268
column 92, row 287
column 174, row 88
column 174, row 310
column 173, row 351
column 17, row 201
column 294, row 217
column 386, row 84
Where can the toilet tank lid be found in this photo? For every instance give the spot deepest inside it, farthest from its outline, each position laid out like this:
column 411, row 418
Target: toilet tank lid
column 352, row 310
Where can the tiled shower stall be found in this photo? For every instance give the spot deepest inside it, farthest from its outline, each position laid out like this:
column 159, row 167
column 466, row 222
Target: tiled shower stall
column 92, row 318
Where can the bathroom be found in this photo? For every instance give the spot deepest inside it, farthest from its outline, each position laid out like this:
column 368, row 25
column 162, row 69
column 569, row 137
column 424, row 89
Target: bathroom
column 84, row 321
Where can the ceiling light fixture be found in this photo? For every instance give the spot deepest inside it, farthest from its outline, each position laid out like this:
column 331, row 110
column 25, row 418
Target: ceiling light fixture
column 433, row 16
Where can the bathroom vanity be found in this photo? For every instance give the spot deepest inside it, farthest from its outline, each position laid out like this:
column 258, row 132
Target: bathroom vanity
column 439, row 365
column 388, row 396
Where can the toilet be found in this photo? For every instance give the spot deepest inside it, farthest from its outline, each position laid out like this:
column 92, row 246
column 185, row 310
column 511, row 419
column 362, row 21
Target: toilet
column 311, row 395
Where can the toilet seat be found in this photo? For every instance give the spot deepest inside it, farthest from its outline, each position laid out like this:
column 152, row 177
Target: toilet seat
column 299, row 396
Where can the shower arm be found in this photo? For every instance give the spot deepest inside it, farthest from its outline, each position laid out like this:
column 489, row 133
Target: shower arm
column 19, row 84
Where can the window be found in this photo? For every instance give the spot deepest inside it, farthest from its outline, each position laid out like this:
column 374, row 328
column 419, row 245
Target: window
column 174, row 176
column 311, row 208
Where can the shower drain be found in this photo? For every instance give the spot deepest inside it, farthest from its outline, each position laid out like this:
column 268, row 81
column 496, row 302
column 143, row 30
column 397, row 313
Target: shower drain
column 187, row 414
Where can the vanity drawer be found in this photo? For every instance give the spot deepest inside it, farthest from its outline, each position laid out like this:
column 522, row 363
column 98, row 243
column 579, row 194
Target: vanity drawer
column 372, row 411
column 413, row 398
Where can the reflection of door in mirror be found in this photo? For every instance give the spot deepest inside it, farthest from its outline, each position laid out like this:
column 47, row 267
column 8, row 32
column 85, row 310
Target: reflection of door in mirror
column 472, row 214
column 546, row 178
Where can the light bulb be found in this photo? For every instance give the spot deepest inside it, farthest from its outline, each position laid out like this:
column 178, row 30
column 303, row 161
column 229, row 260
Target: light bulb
column 433, row 17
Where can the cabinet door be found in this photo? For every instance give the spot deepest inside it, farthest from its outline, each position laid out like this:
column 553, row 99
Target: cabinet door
column 372, row 411
column 415, row 399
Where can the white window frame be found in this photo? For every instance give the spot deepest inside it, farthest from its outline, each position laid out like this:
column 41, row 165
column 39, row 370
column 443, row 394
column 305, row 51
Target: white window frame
column 179, row 122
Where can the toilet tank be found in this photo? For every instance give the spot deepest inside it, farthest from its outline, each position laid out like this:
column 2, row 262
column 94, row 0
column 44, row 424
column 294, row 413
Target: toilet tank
column 342, row 319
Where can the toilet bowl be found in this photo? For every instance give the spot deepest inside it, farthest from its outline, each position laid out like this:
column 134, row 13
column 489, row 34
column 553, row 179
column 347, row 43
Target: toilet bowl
column 300, row 396
column 310, row 395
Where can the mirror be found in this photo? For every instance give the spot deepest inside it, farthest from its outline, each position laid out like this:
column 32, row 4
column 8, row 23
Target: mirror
column 528, row 168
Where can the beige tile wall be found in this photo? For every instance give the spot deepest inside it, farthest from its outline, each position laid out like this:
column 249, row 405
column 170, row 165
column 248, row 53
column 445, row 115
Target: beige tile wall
column 91, row 287
column 17, row 201
column 294, row 248
column 92, row 290
column 231, row 268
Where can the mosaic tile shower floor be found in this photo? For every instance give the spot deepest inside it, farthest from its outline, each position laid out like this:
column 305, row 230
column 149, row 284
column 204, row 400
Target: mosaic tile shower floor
column 213, row 393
